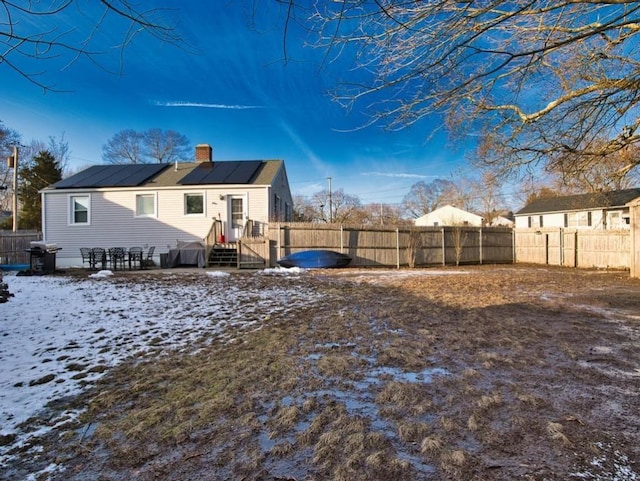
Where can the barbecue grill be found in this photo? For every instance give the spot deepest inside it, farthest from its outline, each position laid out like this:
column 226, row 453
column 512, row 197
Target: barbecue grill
column 42, row 257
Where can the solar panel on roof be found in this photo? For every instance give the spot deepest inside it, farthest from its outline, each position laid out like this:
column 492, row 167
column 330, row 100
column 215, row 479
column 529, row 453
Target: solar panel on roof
column 228, row 172
column 198, row 174
column 243, row 173
column 111, row 176
column 80, row 177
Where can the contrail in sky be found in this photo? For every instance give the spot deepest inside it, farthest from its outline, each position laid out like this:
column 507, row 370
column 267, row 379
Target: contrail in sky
column 207, row 106
column 394, row 174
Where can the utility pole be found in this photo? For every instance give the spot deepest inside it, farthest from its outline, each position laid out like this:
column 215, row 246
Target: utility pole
column 330, row 202
column 12, row 162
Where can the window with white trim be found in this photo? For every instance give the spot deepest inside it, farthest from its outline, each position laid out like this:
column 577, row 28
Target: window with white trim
column 146, row 205
column 194, row 204
column 80, row 209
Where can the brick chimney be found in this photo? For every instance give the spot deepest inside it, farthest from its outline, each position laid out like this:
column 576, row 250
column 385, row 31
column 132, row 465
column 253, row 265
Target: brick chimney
column 204, row 153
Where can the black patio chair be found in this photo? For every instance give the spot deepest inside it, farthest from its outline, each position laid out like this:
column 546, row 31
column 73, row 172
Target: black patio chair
column 148, row 260
column 135, row 257
column 98, row 257
column 87, row 257
column 117, row 257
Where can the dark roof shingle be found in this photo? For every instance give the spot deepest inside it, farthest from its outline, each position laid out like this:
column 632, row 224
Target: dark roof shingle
column 596, row 200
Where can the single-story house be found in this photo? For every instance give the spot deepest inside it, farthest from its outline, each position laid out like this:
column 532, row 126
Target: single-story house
column 596, row 211
column 501, row 221
column 162, row 204
column 449, row 215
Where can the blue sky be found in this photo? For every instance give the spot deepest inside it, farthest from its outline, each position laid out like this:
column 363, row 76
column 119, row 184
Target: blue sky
column 229, row 87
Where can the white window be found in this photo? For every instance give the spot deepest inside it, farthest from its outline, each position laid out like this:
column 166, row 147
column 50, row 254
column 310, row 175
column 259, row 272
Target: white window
column 614, row 220
column 145, row 205
column 80, row 209
column 237, row 213
column 194, row 204
column 276, row 208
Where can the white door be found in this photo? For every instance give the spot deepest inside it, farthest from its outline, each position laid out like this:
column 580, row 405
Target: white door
column 237, row 215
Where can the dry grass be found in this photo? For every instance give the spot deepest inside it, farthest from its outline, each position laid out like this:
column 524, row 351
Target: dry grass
column 431, row 444
column 453, row 462
column 555, row 430
column 340, row 392
column 413, row 432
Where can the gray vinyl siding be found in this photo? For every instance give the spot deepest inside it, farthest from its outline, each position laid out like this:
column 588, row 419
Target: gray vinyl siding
column 113, row 222
column 280, row 188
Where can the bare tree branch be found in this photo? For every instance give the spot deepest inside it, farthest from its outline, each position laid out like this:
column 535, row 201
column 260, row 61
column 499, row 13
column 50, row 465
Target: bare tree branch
column 35, row 36
column 542, row 78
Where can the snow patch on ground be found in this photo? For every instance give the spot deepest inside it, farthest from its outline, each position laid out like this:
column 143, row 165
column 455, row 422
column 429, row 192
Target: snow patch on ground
column 60, row 334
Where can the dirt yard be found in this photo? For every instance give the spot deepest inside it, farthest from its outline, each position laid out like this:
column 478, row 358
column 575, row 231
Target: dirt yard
column 470, row 373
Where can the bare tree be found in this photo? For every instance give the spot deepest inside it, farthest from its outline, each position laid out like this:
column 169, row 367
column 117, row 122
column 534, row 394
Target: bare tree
column 382, row 214
column 414, row 244
column 536, row 79
column 425, row 197
column 344, row 207
column 125, row 147
column 489, row 200
column 459, row 239
column 35, row 36
column 8, row 139
column 579, row 173
column 58, row 147
column 303, row 210
column 149, row 147
column 166, row 146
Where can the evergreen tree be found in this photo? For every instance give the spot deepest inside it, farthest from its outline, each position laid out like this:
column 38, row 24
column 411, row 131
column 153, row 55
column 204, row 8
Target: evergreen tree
column 42, row 172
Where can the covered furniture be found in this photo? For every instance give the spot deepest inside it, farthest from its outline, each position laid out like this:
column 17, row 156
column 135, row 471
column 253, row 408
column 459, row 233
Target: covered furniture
column 187, row 254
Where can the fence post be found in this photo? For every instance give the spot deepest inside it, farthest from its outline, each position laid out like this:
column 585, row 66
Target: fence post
column 341, row 239
column 546, row 248
column 634, row 221
column 480, row 234
column 397, row 248
column 278, row 242
column 444, row 249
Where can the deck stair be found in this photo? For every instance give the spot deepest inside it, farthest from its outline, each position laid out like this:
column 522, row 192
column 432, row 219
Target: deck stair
column 224, row 255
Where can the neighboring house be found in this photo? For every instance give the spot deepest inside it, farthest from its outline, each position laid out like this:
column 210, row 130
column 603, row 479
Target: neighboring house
column 596, row 211
column 501, row 221
column 160, row 204
column 447, row 216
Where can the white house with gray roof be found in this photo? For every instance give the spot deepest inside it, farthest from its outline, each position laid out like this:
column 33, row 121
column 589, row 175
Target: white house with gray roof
column 161, row 204
column 595, row 211
column 449, row 215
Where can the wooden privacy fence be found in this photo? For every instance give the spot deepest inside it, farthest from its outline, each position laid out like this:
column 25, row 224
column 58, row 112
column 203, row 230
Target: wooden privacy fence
column 395, row 246
column 253, row 252
column 574, row 248
column 13, row 246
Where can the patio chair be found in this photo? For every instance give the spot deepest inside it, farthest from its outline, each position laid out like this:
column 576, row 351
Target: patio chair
column 148, row 260
column 98, row 257
column 117, row 257
column 135, row 257
column 87, row 257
